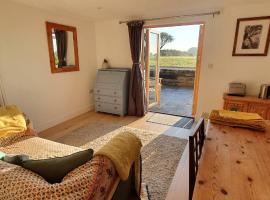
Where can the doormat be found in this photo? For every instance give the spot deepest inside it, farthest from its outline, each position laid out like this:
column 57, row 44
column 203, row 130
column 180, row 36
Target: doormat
column 171, row 120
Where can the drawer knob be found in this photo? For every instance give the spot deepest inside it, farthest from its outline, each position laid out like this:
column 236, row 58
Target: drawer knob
column 114, row 92
column 98, row 105
column 115, row 107
column 98, row 98
column 115, row 100
column 98, row 91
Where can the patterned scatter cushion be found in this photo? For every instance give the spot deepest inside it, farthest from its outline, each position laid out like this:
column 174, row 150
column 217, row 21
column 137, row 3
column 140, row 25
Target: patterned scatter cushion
column 53, row 170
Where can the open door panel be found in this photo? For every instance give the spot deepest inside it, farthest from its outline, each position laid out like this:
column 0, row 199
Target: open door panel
column 151, row 53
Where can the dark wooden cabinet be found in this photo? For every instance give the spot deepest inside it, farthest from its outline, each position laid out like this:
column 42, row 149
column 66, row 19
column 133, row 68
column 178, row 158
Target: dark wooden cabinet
column 258, row 108
column 236, row 106
column 250, row 104
column 268, row 114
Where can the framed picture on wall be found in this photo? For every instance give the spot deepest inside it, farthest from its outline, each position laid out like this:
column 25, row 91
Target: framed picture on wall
column 252, row 36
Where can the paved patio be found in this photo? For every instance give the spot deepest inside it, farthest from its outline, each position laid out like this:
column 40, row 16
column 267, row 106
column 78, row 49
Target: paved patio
column 175, row 100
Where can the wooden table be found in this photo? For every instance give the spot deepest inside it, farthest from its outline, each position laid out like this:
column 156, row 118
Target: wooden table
column 235, row 165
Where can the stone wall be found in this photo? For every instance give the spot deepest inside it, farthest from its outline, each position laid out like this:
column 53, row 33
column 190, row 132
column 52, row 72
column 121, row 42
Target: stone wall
column 175, row 76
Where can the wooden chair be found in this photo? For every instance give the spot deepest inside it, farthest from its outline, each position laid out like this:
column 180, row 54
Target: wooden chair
column 196, row 141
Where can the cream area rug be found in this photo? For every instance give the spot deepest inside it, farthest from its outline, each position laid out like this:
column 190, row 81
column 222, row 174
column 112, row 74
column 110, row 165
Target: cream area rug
column 160, row 153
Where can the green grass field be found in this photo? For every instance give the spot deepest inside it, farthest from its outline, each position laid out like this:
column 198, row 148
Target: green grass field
column 175, row 61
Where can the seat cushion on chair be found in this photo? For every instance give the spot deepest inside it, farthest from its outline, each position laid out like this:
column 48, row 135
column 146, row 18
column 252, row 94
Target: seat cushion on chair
column 53, row 170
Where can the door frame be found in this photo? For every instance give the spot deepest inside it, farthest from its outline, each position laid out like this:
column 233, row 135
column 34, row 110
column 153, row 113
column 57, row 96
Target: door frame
column 147, row 67
column 199, row 56
column 198, row 70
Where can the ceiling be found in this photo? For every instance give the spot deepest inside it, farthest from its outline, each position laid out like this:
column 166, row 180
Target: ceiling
column 128, row 9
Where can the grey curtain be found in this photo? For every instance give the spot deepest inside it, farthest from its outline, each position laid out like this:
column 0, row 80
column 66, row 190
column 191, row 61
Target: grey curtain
column 61, row 42
column 137, row 98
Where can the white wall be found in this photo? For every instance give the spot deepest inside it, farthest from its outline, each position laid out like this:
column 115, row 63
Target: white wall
column 112, row 43
column 25, row 68
column 218, row 50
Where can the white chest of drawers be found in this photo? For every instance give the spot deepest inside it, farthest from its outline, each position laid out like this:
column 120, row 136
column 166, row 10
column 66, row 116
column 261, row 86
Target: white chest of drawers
column 111, row 91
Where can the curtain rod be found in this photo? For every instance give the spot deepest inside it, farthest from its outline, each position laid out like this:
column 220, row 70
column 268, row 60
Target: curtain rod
column 173, row 17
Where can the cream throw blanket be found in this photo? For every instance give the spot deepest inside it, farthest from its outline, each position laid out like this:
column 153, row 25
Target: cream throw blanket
column 124, row 150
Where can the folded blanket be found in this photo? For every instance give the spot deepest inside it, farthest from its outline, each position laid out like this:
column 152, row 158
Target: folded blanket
column 124, row 150
column 239, row 115
column 12, row 121
column 238, row 119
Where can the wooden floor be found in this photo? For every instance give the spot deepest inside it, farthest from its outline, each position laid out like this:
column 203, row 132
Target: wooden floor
column 179, row 186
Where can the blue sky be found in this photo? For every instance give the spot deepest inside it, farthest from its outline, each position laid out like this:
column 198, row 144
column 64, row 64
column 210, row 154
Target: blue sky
column 185, row 37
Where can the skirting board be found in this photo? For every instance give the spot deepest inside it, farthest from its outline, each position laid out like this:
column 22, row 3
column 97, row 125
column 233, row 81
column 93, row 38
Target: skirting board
column 45, row 125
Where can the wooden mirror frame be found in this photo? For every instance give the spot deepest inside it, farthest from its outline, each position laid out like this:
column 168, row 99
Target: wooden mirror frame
column 50, row 26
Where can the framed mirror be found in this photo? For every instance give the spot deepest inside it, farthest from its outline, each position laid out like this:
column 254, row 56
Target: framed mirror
column 63, row 47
